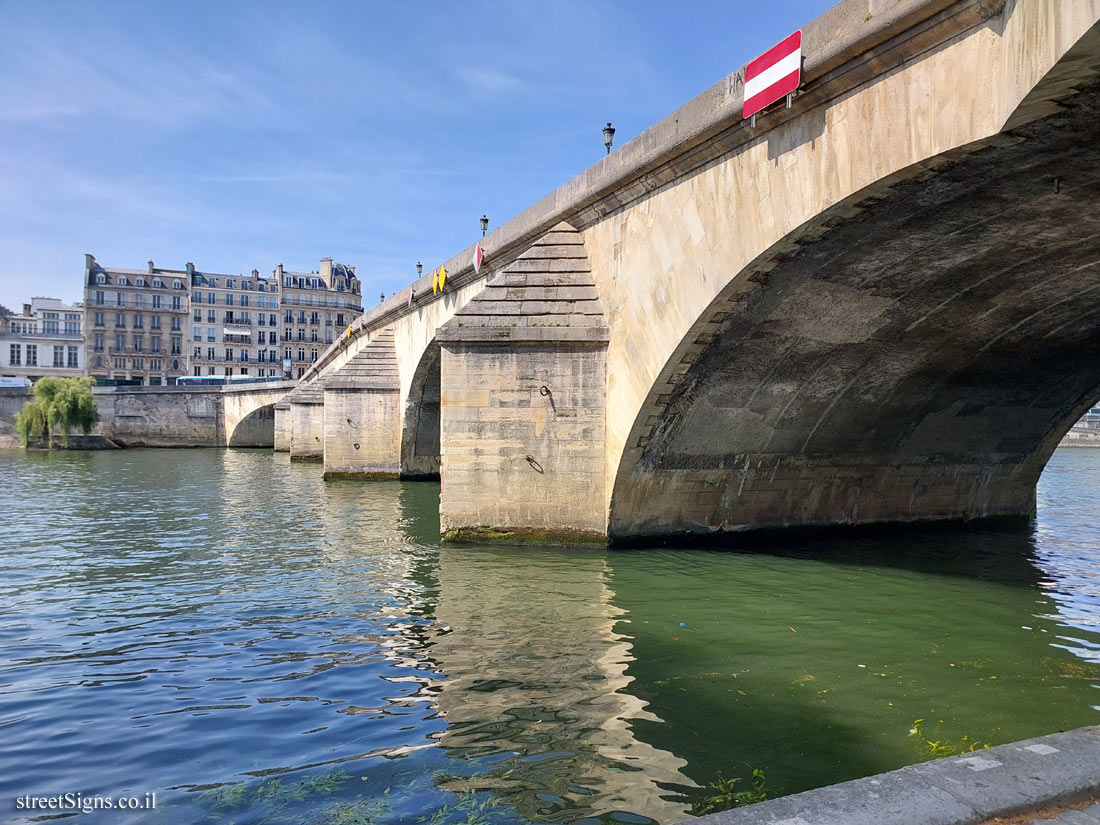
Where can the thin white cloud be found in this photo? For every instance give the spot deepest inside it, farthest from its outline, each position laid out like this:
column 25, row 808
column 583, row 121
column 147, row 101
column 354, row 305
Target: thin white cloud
column 493, row 82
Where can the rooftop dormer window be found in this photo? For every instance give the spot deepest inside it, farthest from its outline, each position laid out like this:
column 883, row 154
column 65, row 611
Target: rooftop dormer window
column 230, row 284
column 141, row 282
column 177, row 284
column 101, row 278
column 122, row 281
column 158, row 283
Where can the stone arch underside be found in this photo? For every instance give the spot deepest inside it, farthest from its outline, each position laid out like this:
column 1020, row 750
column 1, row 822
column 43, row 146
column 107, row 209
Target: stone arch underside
column 257, row 429
column 920, row 360
column 420, row 425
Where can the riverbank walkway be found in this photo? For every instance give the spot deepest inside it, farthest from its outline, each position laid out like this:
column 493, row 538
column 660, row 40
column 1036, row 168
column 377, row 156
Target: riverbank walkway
column 1029, row 777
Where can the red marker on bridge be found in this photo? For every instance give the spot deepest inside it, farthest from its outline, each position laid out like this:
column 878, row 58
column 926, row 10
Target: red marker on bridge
column 773, row 75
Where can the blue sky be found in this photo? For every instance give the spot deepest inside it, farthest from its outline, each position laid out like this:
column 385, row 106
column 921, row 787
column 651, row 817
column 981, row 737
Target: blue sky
column 245, row 134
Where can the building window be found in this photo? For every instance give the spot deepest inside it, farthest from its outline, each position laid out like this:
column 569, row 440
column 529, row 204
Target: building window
column 155, row 364
column 101, row 278
column 196, row 353
column 197, row 334
column 156, row 302
column 139, row 321
column 100, row 298
column 177, row 347
column 301, row 354
column 301, row 335
column 155, row 323
column 120, row 343
column 228, row 299
column 198, row 314
column 244, row 300
column 58, row 356
column 175, row 323
column 99, row 361
column 32, row 355
column 301, row 317
column 99, row 319
column 119, row 300
column 120, row 363
column 49, row 326
column 156, row 343
column 120, row 321
column 139, row 343
column 229, row 355
column 177, row 302
column 99, row 342
column 177, row 284
column 158, row 283
column 175, row 364
column 16, row 355
column 72, row 362
column 197, row 370
column 340, row 319
column 271, row 320
column 139, row 363
column 230, row 283
column 141, row 282
column 139, row 300
column 313, row 335
column 211, row 298
column 212, row 334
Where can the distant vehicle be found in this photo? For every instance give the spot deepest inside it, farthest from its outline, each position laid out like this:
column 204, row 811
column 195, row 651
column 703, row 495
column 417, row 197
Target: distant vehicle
column 15, row 382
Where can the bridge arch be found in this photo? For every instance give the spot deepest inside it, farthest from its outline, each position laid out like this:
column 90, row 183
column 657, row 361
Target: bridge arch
column 420, row 421
column 914, row 352
column 256, row 429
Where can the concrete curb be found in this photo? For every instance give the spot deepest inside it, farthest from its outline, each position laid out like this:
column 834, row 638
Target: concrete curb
column 1059, row 769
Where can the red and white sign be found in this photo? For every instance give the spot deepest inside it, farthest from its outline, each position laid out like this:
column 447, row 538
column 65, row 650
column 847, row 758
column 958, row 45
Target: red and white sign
column 773, row 75
column 479, row 256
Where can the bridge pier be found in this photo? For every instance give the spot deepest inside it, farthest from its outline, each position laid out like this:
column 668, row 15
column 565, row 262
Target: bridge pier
column 282, row 427
column 307, row 425
column 362, row 414
column 523, row 388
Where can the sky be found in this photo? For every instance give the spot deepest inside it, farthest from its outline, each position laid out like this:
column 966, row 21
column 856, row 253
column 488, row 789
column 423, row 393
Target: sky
column 241, row 135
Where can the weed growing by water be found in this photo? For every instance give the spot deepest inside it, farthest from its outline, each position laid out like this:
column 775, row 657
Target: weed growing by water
column 723, row 794
column 939, row 748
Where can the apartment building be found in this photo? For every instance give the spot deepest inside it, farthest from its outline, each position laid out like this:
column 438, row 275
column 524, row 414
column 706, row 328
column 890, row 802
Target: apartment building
column 315, row 309
column 234, row 324
column 47, row 338
column 135, row 321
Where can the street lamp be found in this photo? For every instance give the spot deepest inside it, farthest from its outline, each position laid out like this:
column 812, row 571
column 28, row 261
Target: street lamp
column 608, row 136
column 484, row 225
column 382, row 298
column 419, row 269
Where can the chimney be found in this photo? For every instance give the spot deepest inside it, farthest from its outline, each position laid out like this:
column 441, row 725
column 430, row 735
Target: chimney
column 255, row 273
column 89, row 262
column 279, row 273
column 190, row 269
column 27, row 309
column 150, row 266
column 326, row 270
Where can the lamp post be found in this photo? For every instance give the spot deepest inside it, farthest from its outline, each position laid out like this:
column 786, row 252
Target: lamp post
column 608, row 136
column 484, row 225
column 382, row 298
column 419, row 269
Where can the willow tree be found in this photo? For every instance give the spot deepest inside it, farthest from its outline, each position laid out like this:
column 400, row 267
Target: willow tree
column 59, row 405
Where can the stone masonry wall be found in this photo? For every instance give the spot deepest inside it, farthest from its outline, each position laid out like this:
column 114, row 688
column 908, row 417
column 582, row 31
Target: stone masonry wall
column 513, row 458
column 362, row 433
column 307, row 431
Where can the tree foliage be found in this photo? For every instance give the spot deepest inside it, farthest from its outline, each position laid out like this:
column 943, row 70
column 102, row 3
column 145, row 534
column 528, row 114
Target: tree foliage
column 59, row 405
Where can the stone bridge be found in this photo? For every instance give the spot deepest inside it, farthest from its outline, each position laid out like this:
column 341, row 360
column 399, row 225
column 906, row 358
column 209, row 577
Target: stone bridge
column 217, row 416
column 879, row 305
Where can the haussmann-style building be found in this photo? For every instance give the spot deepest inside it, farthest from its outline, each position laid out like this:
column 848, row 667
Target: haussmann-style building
column 135, row 321
column 47, row 338
column 316, row 308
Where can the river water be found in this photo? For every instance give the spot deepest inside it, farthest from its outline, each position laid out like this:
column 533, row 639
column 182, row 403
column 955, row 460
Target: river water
column 255, row 645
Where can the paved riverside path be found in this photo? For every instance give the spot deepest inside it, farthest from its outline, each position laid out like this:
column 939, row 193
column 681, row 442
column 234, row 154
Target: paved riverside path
column 1046, row 772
